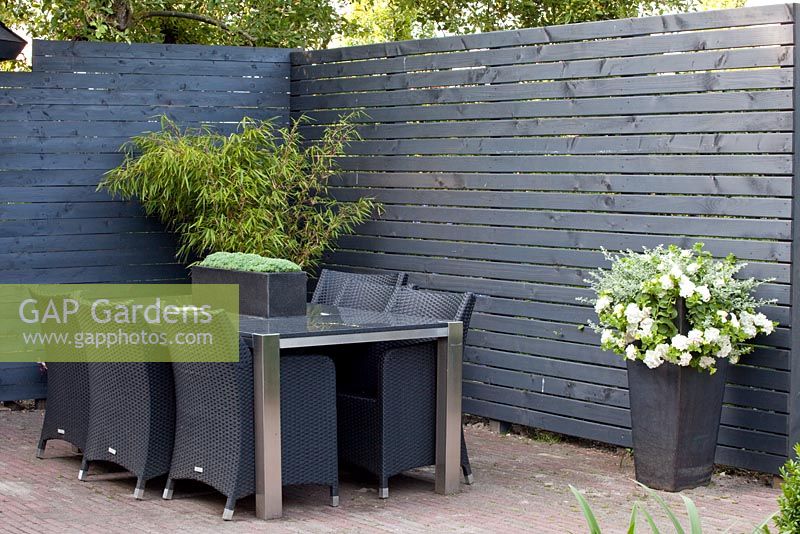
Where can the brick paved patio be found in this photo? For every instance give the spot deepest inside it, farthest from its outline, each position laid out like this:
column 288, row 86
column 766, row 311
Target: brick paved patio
column 521, row 485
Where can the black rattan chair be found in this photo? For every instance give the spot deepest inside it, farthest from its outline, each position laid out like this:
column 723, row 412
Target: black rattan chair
column 131, row 419
column 387, row 413
column 66, row 415
column 356, row 290
column 131, row 411
column 215, row 441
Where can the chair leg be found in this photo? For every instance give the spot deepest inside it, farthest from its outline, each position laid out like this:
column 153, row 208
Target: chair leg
column 169, row 490
column 383, row 488
column 138, row 493
column 84, row 469
column 335, row 495
column 227, row 514
column 40, row 448
column 467, row 470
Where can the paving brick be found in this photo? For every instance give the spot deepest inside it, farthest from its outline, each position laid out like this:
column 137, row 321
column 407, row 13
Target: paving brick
column 521, row 486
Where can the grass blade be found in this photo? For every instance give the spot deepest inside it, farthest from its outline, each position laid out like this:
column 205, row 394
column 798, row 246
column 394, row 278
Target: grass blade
column 694, row 516
column 763, row 527
column 632, row 523
column 650, row 521
column 661, row 502
column 594, row 528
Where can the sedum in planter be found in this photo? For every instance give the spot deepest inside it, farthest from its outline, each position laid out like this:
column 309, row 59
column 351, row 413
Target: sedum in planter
column 268, row 287
column 241, row 261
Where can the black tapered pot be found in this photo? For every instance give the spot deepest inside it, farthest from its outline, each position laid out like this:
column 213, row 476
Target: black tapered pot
column 675, row 413
column 260, row 294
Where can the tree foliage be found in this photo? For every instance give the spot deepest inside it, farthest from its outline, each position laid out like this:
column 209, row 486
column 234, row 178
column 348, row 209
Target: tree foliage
column 469, row 16
column 280, row 23
column 261, row 190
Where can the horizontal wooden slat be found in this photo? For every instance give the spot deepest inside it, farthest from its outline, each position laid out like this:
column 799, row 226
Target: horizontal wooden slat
column 650, row 224
column 618, row 203
column 632, row 144
column 275, row 82
column 134, row 65
column 140, row 98
column 115, row 113
column 634, row 106
column 103, row 274
column 159, row 51
column 73, row 129
column 112, row 256
column 69, row 210
column 35, row 244
column 711, row 123
column 573, row 32
column 586, row 239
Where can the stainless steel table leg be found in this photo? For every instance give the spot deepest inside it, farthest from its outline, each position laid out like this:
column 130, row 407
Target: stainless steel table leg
column 266, row 371
column 448, row 409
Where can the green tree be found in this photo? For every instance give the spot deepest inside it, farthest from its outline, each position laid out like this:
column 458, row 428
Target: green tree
column 281, row 23
column 379, row 21
column 469, row 16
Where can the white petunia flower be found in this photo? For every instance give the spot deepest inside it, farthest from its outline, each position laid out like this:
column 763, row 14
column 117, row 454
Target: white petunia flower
column 646, row 327
column 606, row 336
column 706, row 362
column 633, row 314
column 695, row 336
column 652, row 359
column 764, row 323
column 680, row 342
column 666, row 281
column 734, row 321
column 676, row 272
column 711, row 335
column 631, row 352
column 602, row 303
column 618, row 309
column 692, row 268
column 687, row 287
column 705, row 294
column 685, row 253
column 685, row 359
column 723, row 315
column 719, row 281
column 724, row 347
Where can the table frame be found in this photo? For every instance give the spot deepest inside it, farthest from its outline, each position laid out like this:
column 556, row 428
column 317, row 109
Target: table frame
column 266, row 362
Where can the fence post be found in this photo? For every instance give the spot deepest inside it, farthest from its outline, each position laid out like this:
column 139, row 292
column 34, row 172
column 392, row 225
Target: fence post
column 794, row 385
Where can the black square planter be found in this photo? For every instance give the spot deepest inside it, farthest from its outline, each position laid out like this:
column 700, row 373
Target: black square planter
column 260, row 294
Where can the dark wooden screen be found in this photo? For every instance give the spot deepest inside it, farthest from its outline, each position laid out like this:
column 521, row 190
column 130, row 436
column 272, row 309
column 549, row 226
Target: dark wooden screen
column 61, row 127
column 505, row 161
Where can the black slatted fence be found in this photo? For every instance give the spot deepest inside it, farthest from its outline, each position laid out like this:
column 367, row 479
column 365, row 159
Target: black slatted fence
column 61, row 127
column 505, row 161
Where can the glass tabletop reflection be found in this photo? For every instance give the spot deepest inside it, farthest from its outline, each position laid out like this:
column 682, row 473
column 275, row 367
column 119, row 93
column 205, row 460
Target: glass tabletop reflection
column 321, row 320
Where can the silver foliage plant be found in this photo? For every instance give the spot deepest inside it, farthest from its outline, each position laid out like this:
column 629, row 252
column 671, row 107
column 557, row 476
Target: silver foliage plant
column 636, row 306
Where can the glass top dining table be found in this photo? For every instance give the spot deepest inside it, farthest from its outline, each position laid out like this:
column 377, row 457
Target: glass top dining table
column 329, row 326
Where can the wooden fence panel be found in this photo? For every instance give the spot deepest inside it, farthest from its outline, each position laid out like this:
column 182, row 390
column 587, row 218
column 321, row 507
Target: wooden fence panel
column 506, row 160
column 61, row 128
